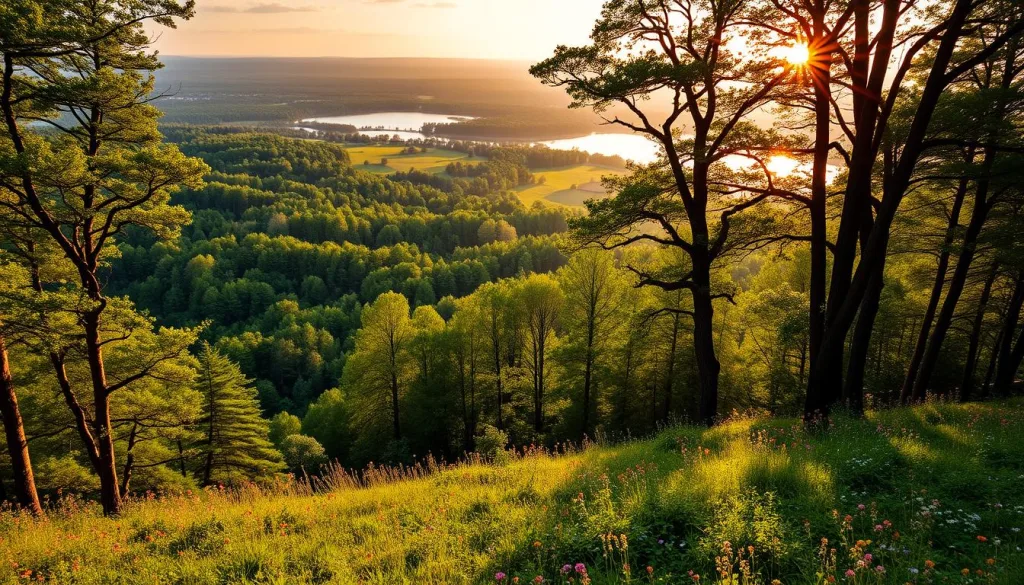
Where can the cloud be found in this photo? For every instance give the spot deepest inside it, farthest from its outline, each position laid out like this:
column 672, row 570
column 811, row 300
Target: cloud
column 265, row 8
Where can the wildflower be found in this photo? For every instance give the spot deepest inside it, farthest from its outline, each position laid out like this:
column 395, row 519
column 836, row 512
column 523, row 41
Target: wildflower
column 536, row 544
column 929, row 564
column 850, row 573
column 868, row 557
column 990, row 562
column 878, row 527
column 566, row 568
column 499, row 576
column 965, row 572
column 982, row 538
column 650, row 570
column 861, row 507
column 538, row 579
column 913, row 570
column 581, row 568
column 879, row 569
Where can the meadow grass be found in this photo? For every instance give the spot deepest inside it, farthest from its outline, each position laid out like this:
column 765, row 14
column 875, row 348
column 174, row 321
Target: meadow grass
column 559, row 181
column 434, row 161
column 928, row 495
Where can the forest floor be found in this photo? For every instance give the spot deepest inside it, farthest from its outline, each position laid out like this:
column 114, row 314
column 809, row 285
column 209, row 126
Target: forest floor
column 926, row 495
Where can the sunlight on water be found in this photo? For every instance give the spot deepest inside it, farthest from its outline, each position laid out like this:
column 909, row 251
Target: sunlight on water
column 410, row 122
column 629, row 146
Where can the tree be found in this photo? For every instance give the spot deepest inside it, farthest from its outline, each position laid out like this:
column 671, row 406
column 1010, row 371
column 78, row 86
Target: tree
column 327, row 421
column 300, row 452
column 237, row 443
column 540, row 299
column 83, row 70
column 11, row 280
column 282, row 426
column 494, row 303
column 691, row 200
column 380, row 365
column 935, row 56
column 594, row 290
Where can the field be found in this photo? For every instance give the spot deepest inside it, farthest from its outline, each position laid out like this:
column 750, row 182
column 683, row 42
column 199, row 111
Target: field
column 927, row 495
column 558, row 186
column 434, row 161
column 559, row 182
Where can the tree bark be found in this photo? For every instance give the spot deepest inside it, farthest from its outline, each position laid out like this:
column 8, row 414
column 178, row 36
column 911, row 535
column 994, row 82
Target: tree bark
column 1009, row 362
column 670, row 378
column 937, row 286
column 967, row 385
column 17, row 444
column 853, row 388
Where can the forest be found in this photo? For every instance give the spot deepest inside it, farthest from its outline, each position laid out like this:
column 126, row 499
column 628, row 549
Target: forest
column 204, row 314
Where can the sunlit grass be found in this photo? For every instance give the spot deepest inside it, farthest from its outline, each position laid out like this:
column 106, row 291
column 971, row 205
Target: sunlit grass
column 921, row 484
column 434, row 161
column 558, row 184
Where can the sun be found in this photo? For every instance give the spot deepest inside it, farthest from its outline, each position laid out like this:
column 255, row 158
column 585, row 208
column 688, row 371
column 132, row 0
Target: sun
column 798, row 54
column 781, row 165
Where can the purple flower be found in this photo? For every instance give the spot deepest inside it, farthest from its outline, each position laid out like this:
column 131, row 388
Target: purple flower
column 499, row 576
column 566, row 568
column 581, row 568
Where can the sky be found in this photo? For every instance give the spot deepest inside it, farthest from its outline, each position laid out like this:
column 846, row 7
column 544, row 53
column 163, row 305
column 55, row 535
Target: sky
column 525, row 30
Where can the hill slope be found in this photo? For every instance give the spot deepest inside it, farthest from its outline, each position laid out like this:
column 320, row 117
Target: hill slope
column 924, row 495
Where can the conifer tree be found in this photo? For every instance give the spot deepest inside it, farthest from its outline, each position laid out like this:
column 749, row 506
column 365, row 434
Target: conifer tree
column 237, row 442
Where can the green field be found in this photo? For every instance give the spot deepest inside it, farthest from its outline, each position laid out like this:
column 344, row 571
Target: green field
column 559, row 183
column 557, row 189
column 929, row 495
column 434, row 161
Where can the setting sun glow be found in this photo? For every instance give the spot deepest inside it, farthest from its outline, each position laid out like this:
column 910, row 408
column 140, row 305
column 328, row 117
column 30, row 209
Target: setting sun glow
column 797, row 54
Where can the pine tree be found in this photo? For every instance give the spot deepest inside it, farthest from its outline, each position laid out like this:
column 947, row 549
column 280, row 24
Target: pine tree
column 237, row 444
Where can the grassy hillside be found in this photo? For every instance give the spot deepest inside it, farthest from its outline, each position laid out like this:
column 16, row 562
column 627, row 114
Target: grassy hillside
column 926, row 495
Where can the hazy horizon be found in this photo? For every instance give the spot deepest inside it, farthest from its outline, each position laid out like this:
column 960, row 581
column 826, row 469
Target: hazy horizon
column 527, row 30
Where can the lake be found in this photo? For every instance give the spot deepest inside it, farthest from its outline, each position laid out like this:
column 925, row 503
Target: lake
column 406, row 124
column 629, row 146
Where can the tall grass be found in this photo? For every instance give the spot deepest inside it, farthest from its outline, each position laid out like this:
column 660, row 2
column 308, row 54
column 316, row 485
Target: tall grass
column 924, row 495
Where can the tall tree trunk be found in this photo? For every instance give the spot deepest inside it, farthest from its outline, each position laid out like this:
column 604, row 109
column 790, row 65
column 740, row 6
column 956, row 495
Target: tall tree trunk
column 17, row 444
column 1008, row 364
column 979, row 213
column 588, row 367
column 497, row 371
column 967, row 385
column 937, row 286
column 397, row 428
column 110, row 489
column 847, row 294
column 822, row 78
column 129, row 461
column 708, row 367
column 670, row 377
column 991, row 369
column 538, row 407
column 853, row 389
